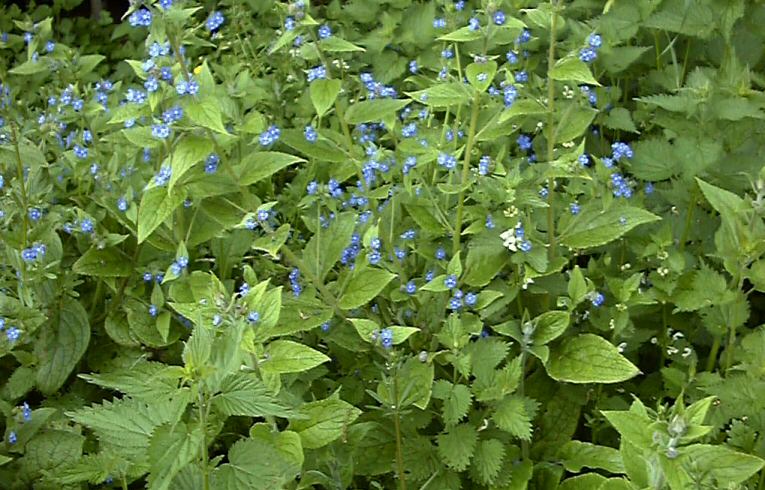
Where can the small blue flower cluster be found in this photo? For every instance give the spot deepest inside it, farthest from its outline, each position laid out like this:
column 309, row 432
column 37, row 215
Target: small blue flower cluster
column 214, row 21
column 590, row 53
column 350, row 252
column 376, row 89
column 211, row 163
column 294, row 284
column 270, row 136
column 317, row 73
column 374, row 256
column 34, row 253
column 447, row 161
column 12, row 333
column 140, row 18
column 179, row 265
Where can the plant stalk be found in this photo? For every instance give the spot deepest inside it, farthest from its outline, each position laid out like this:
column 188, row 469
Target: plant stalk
column 465, row 173
column 397, row 425
column 551, row 133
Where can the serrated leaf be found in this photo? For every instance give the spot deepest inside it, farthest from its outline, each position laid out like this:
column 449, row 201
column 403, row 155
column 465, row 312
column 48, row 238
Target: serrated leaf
column 373, row 110
column 457, row 400
column 263, row 164
column 593, row 227
column 364, row 286
column 589, row 358
column 254, row 464
column 510, row 415
column 323, row 94
column 171, row 447
column 286, row 356
column 61, row 345
column 243, row 394
column 487, row 461
column 620, row 118
column 456, row 447
column 144, row 380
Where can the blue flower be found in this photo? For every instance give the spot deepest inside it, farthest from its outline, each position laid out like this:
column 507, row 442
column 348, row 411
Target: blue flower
column 588, row 55
column 439, row 23
column 325, row 31
column 290, row 23
column 269, row 136
column 215, row 20
column 410, row 287
column 594, row 40
column 310, row 134
column 574, row 208
column 211, row 164
column 165, row 4
column 147, row 276
column 584, row 160
column 386, row 338
column 524, row 142
column 26, row 412
column 253, row 317
column 151, row 84
column 12, row 437
column 483, row 165
column 140, row 18
column 413, row 67
column 597, row 299
column 510, row 93
column 50, row 46
column 455, row 303
column 450, row 281
column 174, row 114
column 521, row 76
column 87, row 226
column 474, row 24
column 312, row 188
column 163, row 176
column 471, row 299
column 489, row 222
column 525, row 246
column 34, row 214
column 317, row 73
column 153, row 310
column 621, row 150
column 523, row 37
column 447, row 161
column 160, row 131
column 80, row 152
column 499, row 17
column 440, row 253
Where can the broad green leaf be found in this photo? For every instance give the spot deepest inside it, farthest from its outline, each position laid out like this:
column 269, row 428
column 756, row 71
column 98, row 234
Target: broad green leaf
column 456, row 447
column 86, row 63
column 577, row 286
column 323, row 94
column 364, row 286
column 286, row 356
column 326, row 246
column 461, row 35
column 205, row 111
column 263, row 164
column 30, row 67
column 272, row 242
column 572, row 69
column 574, row 122
column 61, row 345
column 481, row 75
column 620, row 118
column 323, row 421
column 442, row 95
column 335, row 44
column 511, row 416
column 593, row 228
column 457, row 400
column 549, row 326
column 255, row 464
column 373, row 110
column 724, row 463
column 488, row 459
column 725, row 202
column 522, row 107
column 368, row 328
column 187, row 152
column 171, row 447
column 157, row 204
column 106, row 262
column 588, row 358
column 244, row 394
column 588, row 481
column 143, row 380
column 577, row 455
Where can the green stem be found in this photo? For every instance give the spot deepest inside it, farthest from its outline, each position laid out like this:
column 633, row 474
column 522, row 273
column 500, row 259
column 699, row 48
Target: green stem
column 465, row 173
column 124, row 483
column 24, row 201
column 205, row 456
column 521, row 389
column 688, row 220
column 397, row 425
column 551, row 133
column 712, row 359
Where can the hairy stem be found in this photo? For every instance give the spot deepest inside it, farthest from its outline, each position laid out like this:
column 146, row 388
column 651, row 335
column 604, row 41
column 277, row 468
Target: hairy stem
column 205, row 456
column 397, row 425
column 465, row 173
column 551, row 133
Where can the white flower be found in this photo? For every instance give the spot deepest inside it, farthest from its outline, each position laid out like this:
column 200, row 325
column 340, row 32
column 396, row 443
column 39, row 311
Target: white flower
column 509, row 241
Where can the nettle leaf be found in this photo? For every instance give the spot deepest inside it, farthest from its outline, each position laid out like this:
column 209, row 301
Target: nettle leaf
column 254, row 464
column 323, row 94
column 323, row 421
column 143, row 380
column 373, row 110
column 589, row 358
column 364, row 286
column 511, row 416
column 286, row 356
column 61, row 345
column 620, row 118
column 487, row 461
column 157, row 204
column 457, row 400
column 171, row 447
column 243, row 394
column 52, row 450
column 263, row 164
column 572, row 69
column 456, row 447
column 593, row 227
column 442, row 95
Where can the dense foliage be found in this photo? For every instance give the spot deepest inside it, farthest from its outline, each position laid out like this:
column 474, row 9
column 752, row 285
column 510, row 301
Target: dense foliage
column 497, row 244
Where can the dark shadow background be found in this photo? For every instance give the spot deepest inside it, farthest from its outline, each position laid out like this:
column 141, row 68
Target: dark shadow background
column 86, row 8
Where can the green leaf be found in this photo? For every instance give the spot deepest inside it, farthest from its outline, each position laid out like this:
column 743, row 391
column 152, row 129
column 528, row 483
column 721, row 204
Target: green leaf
column 364, row 286
column 572, row 69
column 574, row 122
column 61, row 345
column 86, row 63
column 510, row 415
column 457, row 400
column 244, row 394
column 577, row 455
column 373, row 110
column 725, row 464
column 30, row 67
column 455, row 266
column 593, row 227
column 456, row 447
column 588, row 481
column 106, row 262
column 620, row 118
column 368, row 328
column 577, row 287
column 725, row 202
column 286, row 356
column 487, row 461
column 143, row 380
column 255, row 464
column 263, row 164
column 187, row 152
column 272, row 242
column 157, row 204
column 326, row 246
column 323, row 94
column 476, row 72
column 549, row 326
column 522, row 107
column 442, row 95
column 206, row 112
column 323, row 421
column 334, row 44
column 588, row 358
column 52, row 450
column 171, row 447
column 461, row 35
